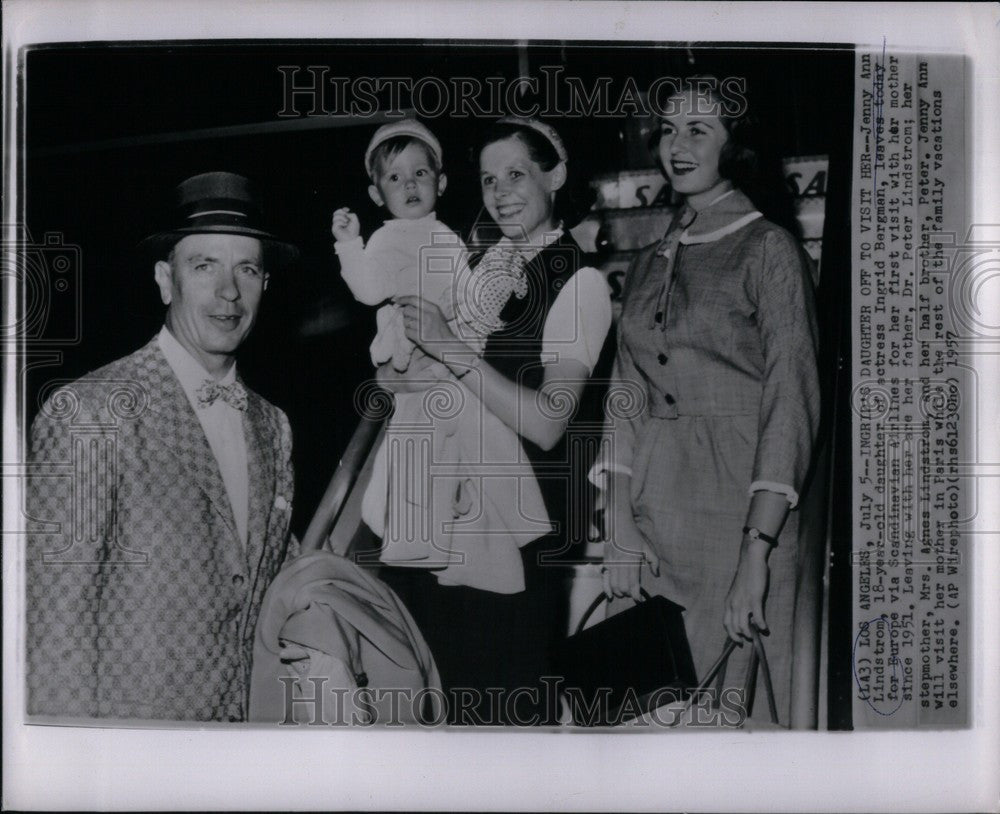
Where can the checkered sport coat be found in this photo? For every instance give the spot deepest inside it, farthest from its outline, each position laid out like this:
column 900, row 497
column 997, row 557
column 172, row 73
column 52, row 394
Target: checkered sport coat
column 141, row 598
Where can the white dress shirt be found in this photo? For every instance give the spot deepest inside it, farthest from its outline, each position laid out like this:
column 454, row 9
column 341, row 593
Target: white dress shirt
column 223, row 426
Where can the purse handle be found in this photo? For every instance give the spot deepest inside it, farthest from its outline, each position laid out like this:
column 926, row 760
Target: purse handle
column 598, row 600
column 758, row 660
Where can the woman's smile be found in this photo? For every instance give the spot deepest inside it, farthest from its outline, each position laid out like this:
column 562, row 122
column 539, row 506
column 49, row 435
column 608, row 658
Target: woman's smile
column 517, row 192
column 509, row 210
column 690, row 147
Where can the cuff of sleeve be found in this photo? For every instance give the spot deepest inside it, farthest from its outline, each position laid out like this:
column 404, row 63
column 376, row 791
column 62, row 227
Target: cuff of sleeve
column 780, row 488
column 598, row 474
column 352, row 246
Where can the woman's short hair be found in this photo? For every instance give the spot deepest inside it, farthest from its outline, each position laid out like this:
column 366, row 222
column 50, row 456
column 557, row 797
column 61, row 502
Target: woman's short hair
column 570, row 204
column 540, row 149
column 739, row 159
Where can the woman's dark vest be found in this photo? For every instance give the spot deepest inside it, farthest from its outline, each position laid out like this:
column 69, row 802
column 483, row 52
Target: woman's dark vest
column 516, row 351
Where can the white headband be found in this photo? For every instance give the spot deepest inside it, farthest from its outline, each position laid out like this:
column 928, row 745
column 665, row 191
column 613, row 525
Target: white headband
column 544, row 129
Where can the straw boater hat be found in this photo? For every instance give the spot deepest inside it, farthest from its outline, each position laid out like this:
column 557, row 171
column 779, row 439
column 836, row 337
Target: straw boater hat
column 218, row 203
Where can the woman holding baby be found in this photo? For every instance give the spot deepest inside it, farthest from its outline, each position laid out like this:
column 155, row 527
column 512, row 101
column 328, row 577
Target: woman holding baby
column 521, row 337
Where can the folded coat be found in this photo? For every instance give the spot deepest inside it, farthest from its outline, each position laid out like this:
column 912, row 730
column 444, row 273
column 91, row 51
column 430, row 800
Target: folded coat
column 324, row 602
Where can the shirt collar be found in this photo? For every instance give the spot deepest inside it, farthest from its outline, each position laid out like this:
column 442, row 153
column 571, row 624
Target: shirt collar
column 548, row 238
column 726, row 214
column 189, row 371
column 403, row 223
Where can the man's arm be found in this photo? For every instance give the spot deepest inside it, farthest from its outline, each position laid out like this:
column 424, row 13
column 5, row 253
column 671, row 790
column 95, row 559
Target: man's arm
column 67, row 543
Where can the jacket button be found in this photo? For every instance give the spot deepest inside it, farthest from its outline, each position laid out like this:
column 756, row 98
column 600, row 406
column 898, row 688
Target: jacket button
column 662, row 358
column 659, row 316
column 669, row 399
column 238, row 580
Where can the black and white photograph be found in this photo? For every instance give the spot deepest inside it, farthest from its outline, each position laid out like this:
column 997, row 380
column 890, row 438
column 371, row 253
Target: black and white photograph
column 495, row 397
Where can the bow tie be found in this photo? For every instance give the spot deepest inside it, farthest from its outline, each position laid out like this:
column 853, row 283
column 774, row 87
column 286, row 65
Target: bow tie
column 235, row 394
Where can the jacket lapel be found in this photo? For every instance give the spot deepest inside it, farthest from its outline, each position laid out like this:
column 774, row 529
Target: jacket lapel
column 179, row 429
column 260, row 462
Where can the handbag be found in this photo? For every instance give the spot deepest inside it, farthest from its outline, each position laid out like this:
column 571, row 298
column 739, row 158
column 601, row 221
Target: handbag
column 757, row 663
column 626, row 665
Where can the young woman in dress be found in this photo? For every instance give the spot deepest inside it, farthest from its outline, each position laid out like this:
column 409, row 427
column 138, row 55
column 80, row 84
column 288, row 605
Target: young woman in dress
column 718, row 331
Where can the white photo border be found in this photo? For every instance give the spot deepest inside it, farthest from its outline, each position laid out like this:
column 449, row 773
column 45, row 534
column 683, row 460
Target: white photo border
column 61, row 767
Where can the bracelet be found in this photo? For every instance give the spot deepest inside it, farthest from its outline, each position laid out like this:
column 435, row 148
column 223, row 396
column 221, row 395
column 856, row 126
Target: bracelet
column 756, row 534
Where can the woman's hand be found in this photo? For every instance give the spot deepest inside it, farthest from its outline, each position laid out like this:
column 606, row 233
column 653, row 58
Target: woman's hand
column 746, row 594
column 423, row 372
column 768, row 511
column 625, row 547
column 426, row 326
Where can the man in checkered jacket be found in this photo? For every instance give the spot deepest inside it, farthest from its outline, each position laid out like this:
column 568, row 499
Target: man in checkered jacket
column 161, row 492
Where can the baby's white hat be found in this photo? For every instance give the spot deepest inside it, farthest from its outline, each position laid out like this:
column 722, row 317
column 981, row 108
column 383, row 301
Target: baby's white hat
column 406, row 127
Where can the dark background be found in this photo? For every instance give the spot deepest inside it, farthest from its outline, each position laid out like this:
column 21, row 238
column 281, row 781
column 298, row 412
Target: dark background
column 108, row 135
column 111, row 129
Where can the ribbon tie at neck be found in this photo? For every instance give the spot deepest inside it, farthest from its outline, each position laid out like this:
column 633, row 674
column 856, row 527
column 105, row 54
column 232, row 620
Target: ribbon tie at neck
column 500, row 273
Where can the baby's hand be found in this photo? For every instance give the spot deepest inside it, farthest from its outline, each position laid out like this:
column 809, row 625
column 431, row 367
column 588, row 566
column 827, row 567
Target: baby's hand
column 346, row 225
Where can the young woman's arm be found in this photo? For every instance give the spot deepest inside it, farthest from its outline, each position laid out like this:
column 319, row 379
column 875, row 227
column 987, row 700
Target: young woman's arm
column 539, row 415
column 422, row 373
column 789, row 416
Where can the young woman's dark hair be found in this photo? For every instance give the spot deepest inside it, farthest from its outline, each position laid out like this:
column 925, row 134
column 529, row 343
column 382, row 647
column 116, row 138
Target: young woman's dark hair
column 745, row 159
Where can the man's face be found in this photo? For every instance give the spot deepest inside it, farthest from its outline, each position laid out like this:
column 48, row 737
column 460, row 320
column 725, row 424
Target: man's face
column 212, row 285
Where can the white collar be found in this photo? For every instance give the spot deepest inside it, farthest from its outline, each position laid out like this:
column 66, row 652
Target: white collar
column 709, row 215
column 189, row 371
column 548, row 238
column 711, row 237
column 718, row 198
column 402, row 223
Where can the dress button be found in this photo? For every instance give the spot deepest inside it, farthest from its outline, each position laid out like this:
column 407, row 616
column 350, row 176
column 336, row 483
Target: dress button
column 659, row 316
column 662, row 358
column 669, row 399
column 237, row 580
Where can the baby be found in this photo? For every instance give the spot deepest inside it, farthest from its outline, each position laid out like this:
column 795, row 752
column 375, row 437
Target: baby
column 403, row 160
column 414, row 253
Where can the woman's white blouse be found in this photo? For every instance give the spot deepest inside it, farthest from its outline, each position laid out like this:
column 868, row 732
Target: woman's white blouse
column 579, row 320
